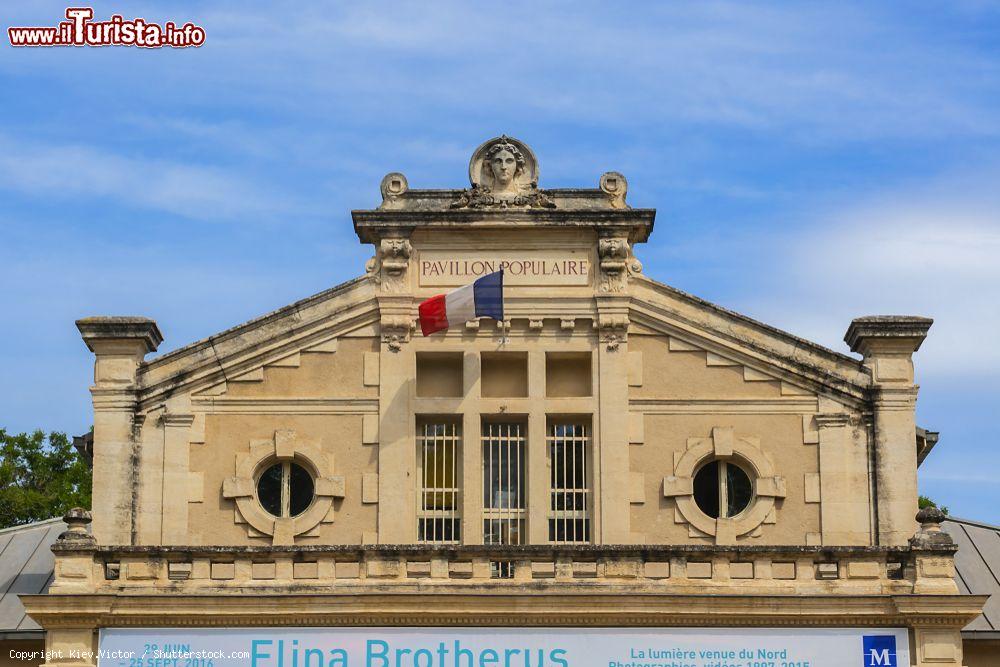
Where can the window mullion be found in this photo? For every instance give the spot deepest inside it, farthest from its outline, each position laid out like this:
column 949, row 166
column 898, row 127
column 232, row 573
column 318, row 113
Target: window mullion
column 723, row 491
column 286, row 495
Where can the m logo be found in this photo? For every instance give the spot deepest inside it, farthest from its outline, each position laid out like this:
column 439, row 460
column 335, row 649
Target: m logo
column 879, row 651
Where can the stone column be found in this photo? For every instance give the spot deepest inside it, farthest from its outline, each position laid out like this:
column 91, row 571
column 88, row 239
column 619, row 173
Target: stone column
column 888, row 344
column 119, row 345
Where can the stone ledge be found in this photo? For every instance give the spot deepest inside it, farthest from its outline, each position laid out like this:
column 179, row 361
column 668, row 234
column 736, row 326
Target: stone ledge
column 414, row 568
column 113, row 328
column 865, row 329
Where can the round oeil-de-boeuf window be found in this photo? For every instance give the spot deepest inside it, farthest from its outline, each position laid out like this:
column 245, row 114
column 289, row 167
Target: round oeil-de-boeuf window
column 285, row 489
column 722, row 489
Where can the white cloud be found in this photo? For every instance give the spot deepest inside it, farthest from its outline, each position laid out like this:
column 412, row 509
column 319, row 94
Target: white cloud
column 929, row 250
column 813, row 73
column 188, row 189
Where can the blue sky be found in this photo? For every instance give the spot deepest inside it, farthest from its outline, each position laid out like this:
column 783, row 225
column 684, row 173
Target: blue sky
column 810, row 163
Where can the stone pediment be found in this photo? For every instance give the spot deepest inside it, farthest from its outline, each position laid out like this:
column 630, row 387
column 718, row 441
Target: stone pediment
column 277, row 339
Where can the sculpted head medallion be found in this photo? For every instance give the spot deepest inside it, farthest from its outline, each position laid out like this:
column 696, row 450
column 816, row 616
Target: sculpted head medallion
column 504, row 173
column 505, row 163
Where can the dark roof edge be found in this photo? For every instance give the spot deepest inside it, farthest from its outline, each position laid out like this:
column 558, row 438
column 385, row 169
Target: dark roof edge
column 970, row 522
column 780, row 333
column 29, row 526
column 249, row 324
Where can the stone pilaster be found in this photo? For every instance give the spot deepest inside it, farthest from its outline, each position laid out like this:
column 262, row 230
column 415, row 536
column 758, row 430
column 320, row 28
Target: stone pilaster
column 888, row 344
column 613, row 441
column 119, row 345
column 397, row 367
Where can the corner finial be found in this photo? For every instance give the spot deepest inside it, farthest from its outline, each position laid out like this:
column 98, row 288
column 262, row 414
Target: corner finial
column 930, row 534
column 77, row 520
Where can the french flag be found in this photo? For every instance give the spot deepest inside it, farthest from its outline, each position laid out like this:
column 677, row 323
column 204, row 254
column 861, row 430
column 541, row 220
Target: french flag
column 483, row 298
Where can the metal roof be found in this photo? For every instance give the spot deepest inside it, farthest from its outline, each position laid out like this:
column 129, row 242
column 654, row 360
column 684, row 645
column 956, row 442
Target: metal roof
column 977, row 571
column 26, row 564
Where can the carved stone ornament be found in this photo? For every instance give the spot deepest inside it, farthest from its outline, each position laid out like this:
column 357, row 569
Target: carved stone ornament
column 617, row 263
column 504, row 174
column 613, row 330
column 393, row 187
column 615, row 187
column 724, row 445
column 930, row 534
column 388, row 267
column 242, row 487
column 76, row 532
column 396, row 332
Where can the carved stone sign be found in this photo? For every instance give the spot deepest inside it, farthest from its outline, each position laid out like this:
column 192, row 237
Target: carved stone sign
column 440, row 268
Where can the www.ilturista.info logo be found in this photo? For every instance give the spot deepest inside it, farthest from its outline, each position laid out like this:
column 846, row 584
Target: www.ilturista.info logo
column 81, row 30
column 879, row 651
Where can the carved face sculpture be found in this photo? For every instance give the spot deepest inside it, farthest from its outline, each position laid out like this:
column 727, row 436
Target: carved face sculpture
column 504, row 166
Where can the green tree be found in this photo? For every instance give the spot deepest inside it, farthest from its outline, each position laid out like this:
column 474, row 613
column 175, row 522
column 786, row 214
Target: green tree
column 41, row 476
column 924, row 501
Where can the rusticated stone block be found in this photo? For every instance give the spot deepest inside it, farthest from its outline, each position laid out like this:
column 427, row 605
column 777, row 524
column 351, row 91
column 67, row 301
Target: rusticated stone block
column 305, row 570
column 936, row 567
column 863, row 569
column 347, row 570
column 741, row 570
column 223, row 570
column 783, row 570
column 543, row 570
column 460, row 569
column 626, row 568
column 699, row 570
column 420, row 568
column 657, row 569
column 263, row 570
column 140, row 570
column 382, row 569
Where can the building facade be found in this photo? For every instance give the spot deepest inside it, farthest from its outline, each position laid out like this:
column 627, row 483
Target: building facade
column 616, row 464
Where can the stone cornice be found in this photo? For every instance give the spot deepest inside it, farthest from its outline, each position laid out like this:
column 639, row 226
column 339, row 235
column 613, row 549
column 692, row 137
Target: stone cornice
column 141, row 330
column 635, row 224
column 527, row 608
column 505, row 551
column 908, row 330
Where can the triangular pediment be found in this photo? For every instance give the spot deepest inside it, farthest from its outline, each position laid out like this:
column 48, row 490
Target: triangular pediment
column 276, row 340
column 727, row 339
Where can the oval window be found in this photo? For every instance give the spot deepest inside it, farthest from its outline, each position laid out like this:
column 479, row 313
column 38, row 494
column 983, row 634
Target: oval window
column 285, row 489
column 722, row 489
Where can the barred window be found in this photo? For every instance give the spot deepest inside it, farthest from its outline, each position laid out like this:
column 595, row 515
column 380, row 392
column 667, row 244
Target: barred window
column 569, row 508
column 439, row 446
column 503, row 483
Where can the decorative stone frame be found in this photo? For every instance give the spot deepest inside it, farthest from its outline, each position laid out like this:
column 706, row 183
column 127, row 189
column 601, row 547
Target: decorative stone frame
column 285, row 445
column 724, row 445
